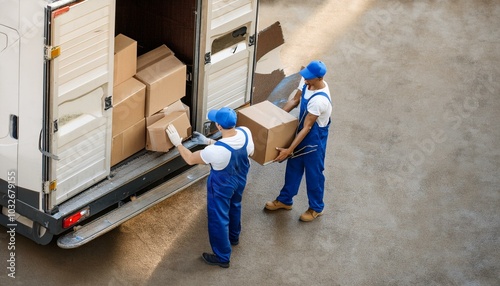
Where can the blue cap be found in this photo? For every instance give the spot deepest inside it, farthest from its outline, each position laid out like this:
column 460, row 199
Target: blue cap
column 313, row 70
column 225, row 117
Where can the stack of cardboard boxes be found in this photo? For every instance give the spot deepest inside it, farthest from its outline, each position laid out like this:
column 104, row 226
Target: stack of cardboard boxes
column 129, row 95
column 165, row 78
column 146, row 98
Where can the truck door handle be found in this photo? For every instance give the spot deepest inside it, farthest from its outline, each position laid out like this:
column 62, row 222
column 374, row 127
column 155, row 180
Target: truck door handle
column 45, row 153
column 13, row 126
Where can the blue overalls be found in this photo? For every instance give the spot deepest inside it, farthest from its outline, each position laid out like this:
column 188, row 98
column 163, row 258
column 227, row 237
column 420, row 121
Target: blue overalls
column 308, row 156
column 224, row 193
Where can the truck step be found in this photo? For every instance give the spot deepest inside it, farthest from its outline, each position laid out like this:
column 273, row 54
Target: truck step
column 131, row 209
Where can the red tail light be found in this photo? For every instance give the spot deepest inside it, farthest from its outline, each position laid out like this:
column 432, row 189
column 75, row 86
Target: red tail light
column 76, row 217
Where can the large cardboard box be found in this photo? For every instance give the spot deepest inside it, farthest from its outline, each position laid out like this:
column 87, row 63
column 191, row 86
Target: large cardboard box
column 157, row 139
column 129, row 142
column 153, row 56
column 129, row 99
column 165, row 83
column 271, row 127
column 125, row 59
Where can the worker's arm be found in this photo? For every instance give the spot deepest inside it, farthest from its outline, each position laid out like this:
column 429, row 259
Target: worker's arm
column 286, row 152
column 293, row 102
column 186, row 154
column 190, row 157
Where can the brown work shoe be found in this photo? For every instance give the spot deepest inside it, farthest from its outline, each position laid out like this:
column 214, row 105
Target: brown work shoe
column 310, row 215
column 276, row 205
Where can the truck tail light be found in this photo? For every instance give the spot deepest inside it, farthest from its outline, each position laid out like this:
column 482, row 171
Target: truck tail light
column 76, row 217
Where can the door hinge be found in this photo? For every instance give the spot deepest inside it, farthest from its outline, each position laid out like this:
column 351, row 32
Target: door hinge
column 251, row 40
column 208, row 58
column 56, row 126
column 52, row 52
column 107, row 103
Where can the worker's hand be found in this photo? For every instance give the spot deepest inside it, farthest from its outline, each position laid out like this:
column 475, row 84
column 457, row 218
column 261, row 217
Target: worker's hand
column 200, row 139
column 283, row 155
column 173, row 135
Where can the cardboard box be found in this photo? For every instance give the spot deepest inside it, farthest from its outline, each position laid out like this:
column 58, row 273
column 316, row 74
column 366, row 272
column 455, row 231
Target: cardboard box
column 157, row 139
column 129, row 142
column 129, row 99
column 174, row 107
column 271, row 127
column 165, row 83
column 125, row 59
column 153, row 56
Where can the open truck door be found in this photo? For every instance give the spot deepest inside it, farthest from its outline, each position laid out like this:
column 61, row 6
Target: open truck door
column 230, row 31
column 80, row 50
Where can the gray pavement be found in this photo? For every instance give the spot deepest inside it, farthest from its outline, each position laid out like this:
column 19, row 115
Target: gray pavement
column 413, row 185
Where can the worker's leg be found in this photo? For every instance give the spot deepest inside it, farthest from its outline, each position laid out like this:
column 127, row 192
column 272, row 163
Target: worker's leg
column 235, row 215
column 315, row 178
column 293, row 176
column 218, row 225
column 315, row 184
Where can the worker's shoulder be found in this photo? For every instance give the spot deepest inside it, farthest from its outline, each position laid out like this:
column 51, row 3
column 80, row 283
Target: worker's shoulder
column 246, row 129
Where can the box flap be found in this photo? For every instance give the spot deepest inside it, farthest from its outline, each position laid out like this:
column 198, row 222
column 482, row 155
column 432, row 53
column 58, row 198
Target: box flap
column 163, row 122
column 174, row 107
column 269, row 39
column 268, row 71
column 265, row 84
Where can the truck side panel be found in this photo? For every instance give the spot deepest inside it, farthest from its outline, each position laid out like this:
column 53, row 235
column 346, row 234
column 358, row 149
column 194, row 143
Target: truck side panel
column 9, row 98
column 31, row 93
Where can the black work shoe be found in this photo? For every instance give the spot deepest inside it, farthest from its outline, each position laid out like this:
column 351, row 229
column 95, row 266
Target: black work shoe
column 212, row 259
column 234, row 242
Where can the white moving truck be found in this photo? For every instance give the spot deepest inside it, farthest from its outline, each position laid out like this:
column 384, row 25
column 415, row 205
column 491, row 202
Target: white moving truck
column 56, row 59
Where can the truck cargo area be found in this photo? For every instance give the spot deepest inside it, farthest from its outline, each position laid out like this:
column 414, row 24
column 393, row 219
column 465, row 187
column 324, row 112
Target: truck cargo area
column 155, row 22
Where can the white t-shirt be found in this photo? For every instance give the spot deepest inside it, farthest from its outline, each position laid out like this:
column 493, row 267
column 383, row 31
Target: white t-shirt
column 319, row 105
column 219, row 156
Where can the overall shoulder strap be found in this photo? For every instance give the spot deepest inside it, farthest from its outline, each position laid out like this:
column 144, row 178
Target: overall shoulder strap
column 246, row 136
column 218, row 143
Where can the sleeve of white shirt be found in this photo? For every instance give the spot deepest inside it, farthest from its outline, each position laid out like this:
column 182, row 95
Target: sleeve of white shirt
column 213, row 154
column 318, row 105
column 301, row 84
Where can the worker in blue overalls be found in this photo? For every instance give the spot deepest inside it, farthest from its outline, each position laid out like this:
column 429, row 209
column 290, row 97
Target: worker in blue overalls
column 307, row 151
column 228, row 159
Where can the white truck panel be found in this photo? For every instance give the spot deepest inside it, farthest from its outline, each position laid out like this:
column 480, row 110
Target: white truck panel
column 227, row 82
column 223, row 12
column 9, row 92
column 10, row 16
column 227, row 78
column 31, row 93
column 81, row 79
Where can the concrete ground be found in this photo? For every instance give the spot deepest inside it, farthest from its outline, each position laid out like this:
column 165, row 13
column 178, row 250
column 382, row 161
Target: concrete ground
column 413, row 166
